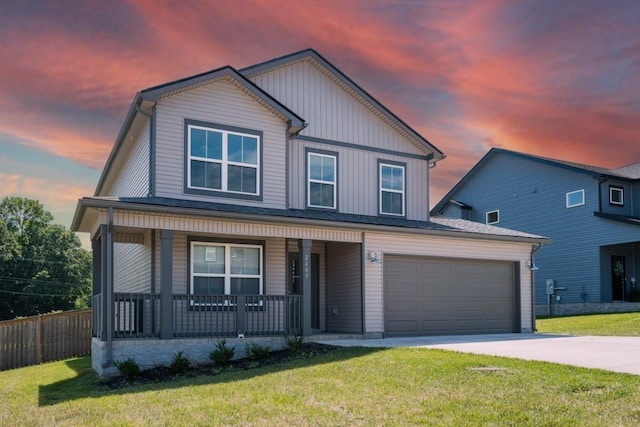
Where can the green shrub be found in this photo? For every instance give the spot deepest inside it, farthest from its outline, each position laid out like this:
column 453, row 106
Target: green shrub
column 256, row 351
column 294, row 343
column 128, row 368
column 180, row 363
column 223, row 354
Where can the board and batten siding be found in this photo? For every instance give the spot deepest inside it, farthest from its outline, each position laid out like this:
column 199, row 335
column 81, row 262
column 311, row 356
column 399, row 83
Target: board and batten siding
column 358, row 179
column 221, row 103
column 330, row 110
column 446, row 247
column 344, row 288
column 132, row 178
column 132, row 266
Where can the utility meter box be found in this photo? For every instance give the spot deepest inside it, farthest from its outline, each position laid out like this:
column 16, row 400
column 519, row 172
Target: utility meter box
column 551, row 286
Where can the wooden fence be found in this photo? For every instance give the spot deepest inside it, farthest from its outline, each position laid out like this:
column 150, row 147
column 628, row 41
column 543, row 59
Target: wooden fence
column 44, row 338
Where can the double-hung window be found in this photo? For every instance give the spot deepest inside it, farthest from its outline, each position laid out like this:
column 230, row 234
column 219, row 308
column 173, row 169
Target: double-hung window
column 226, row 269
column 392, row 189
column 221, row 160
column 321, row 180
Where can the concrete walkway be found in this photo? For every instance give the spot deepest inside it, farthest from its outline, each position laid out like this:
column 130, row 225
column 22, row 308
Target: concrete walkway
column 618, row 354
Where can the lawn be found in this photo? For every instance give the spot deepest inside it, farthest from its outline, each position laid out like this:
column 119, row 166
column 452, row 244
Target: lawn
column 350, row 386
column 620, row 324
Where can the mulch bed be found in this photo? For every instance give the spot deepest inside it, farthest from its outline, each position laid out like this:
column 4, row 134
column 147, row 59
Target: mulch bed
column 164, row 373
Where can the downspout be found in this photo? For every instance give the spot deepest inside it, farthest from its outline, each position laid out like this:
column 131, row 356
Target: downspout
column 535, row 248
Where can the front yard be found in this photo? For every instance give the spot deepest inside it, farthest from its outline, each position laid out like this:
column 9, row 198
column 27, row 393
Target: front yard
column 349, row 386
column 618, row 324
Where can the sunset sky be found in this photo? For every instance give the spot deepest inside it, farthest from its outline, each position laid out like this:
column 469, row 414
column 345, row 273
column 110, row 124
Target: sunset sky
column 558, row 79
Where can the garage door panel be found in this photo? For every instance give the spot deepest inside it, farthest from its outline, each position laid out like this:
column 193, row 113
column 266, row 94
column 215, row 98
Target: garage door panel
column 434, row 296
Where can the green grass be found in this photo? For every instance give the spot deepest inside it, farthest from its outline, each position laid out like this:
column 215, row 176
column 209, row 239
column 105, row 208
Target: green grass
column 620, row 324
column 351, row 386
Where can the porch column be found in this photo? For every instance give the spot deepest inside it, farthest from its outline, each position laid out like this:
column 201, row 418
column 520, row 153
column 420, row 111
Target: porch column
column 304, row 248
column 106, row 283
column 96, row 252
column 166, row 284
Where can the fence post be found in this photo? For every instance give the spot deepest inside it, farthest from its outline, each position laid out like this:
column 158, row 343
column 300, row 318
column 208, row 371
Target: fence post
column 39, row 337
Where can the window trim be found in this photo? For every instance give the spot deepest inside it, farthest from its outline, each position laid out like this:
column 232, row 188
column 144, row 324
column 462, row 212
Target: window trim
column 497, row 212
column 613, row 188
column 568, row 194
column 227, row 244
column 321, row 153
column 225, row 129
column 396, row 165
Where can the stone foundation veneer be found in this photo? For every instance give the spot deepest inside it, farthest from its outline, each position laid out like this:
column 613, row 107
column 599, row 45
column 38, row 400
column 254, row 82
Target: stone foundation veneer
column 586, row 308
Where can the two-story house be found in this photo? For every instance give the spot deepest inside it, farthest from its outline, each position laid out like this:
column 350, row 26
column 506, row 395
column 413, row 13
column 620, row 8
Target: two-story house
column 283, row 199
column 592, row 215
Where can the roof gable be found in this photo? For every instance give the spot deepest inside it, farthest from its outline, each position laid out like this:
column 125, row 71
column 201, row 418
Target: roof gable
column 351, row 87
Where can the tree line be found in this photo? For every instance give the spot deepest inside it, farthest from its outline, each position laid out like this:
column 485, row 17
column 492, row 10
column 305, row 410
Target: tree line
column 43, row 267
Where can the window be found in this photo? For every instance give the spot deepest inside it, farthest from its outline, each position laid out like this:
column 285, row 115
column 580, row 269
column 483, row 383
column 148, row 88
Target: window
column 616, row 195
column 321, row 180
column 222, row 160
column 392, row 185
column 493, row 217
column 575, row 198
column 226, row 269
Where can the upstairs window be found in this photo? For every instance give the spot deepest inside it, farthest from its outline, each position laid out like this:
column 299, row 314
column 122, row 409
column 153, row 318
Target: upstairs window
column 321, row 180
column 616, row 195
column 392, row 189
column 226, row 269
column 493, row 217
column 575, row 198
column 223, row 160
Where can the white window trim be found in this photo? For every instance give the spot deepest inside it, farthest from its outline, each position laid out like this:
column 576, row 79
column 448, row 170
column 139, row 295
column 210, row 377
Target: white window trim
column 227, row 266
column 224, row 162
column 497, row 212
column 576, row 204
column 612, row 189
column 320, row 181
column 382, row 190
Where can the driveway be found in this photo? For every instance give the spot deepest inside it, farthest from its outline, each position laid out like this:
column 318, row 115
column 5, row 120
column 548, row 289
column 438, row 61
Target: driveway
column 618, row 354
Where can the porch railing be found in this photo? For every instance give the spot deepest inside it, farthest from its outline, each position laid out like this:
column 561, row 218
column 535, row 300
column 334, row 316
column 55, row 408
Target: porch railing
column 138, row 315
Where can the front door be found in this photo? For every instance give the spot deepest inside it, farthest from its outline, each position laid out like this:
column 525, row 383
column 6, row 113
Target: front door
column 618, row 278
column 294, row 284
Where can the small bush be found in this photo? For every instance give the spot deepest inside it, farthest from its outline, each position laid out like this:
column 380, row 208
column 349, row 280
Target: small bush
column 294, row 343
column 180, row 363
column 128, row 368
column 222, row 355
column 256, row 351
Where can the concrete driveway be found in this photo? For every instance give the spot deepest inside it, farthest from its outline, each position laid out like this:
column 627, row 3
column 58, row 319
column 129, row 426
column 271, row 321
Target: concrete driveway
column 618, row 354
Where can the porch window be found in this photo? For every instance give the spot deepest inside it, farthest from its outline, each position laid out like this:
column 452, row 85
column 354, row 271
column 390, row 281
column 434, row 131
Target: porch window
column 321, row 180
column 222, row 160
column 616, row 195
column 226, row 269
column 392, row 192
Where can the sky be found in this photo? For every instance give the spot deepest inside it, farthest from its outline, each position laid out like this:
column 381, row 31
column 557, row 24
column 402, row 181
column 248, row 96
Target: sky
column 551, row 78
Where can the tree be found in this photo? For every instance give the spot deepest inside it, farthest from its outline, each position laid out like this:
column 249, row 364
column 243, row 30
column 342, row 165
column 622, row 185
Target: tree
column 43, row 267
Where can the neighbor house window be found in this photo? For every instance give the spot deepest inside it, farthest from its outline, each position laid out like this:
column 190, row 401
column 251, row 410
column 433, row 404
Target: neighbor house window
column 493, row 217
column 321, row 180
column 222, row 160
column 616, row 195
column 392, row 189
column 226, row 269
column 575, row 198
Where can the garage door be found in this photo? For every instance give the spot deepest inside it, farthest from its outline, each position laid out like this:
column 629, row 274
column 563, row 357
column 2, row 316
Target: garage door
column 441, row 296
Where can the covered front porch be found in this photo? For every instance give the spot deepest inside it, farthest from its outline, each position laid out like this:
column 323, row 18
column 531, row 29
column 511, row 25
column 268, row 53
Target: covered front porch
column 619, row 269
column 156, row 285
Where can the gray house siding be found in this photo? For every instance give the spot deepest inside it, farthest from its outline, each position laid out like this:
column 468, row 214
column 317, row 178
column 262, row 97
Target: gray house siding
column 344, row 289
column 331, row 111
column 131, row 266
column 358, row 179
column 225, row 104
column 132, row 180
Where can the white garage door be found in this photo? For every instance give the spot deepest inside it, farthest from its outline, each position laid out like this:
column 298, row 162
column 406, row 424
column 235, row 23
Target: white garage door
column 441, row 296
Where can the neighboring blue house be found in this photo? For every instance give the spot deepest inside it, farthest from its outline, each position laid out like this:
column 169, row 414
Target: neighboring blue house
column 591, row 214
